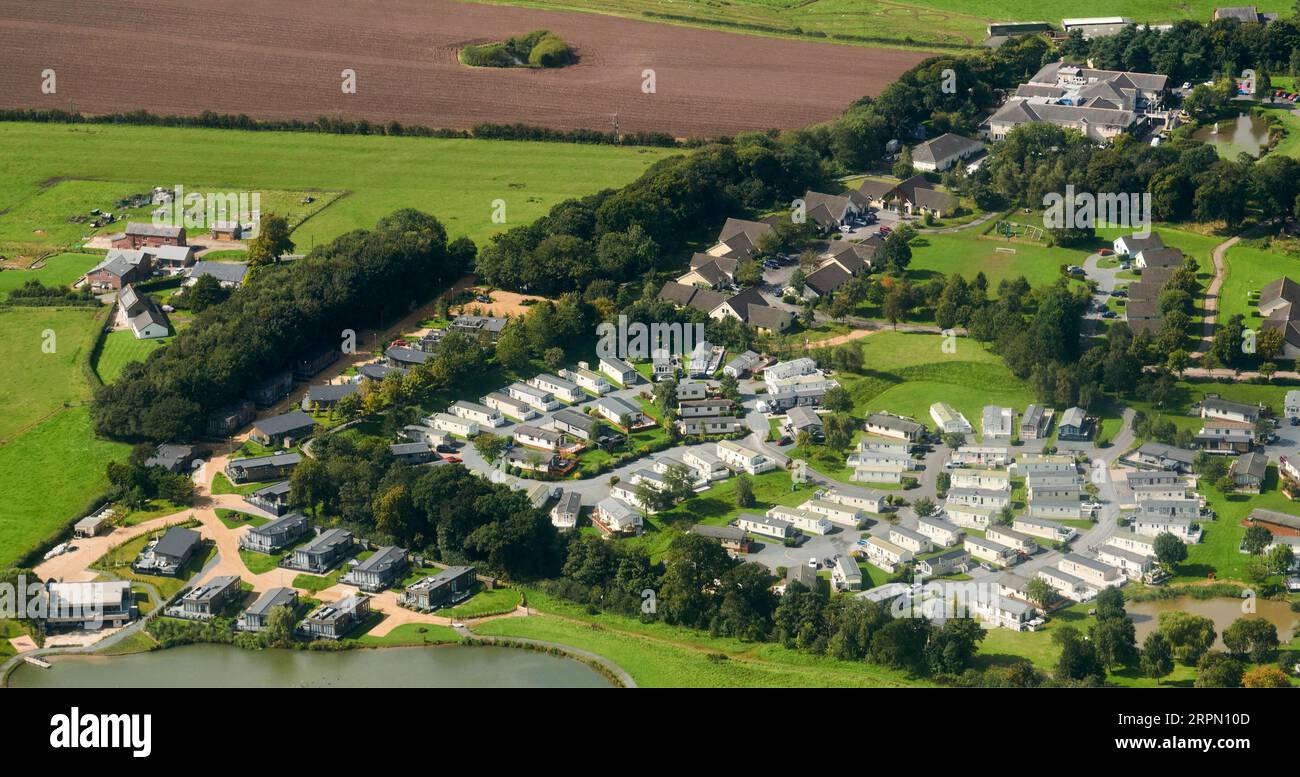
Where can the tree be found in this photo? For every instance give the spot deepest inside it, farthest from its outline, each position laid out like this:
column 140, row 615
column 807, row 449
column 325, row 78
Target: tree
column 952, row 647
column 554, row 357
column 897, row 304
column 693, row 567
column 1157, row 658
column 744, row 491
column 1279, row 559
column 1078, row 661
column 1170, row 550
column 1189, row 635
column 272, row 240
column 924, row 507
column 279, row 626
column 1266, row 676
column 652, row 498
column 837, row 400
column 1041, row 593
column 679, row 482
column 1219, row 670
column 1115, row 642
column 206, row 292
column 1255, row 638
column 490, row 446
column 1256, row 539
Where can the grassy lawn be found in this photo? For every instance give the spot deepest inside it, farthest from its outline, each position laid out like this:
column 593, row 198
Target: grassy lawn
column 316, row 583
column 139, row 642
column 56, row 270
column 42, row 352
column 233, row 519
column 1250, row 268
column 486, row 602
column 222, row 485
column 658, row 655
column 410, row 634
column 47, row 475
column 457, row 180
column 155, row 509
column 120, row 348
column 969, row 252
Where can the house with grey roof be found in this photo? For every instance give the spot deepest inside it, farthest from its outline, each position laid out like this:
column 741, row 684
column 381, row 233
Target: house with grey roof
column 327, row 395
column 274, row 535
column 939, row 154
column 380, row 570
column 286, row 429
column 207, row 600
column 334, row 620
column 258, row 469
column 323, row 553
column 258, row 614
column 167, row 554
column 228, row 274
column 273, row 499
column 447, row 588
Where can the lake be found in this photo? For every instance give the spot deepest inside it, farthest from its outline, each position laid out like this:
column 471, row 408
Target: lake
column 223, row 666
column 1223, row 611
column 1244, row 133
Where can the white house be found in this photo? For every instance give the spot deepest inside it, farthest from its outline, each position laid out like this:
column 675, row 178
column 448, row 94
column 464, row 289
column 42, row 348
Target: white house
column 1071, row 509
column 446, row 422
column 566, row 511
column 509, row 406
column 615, row 517
column 536, row 398
column 480, row 414
column 739, row 456
column 537, row 437
column 1185, row 529
column 706, row 465
column 565, row 390
column 981, row 456
column 911, row 540
column 840, row 514
column 1065, row 485
column 587, row 380
column 1044, row 528
column 994, row 499
column 763, row 526
column 886, row 554
column 939, row 531
column 618, row 370
column 1134, row 543
column 979, row 477
column 1135, row 566
column 803, row 520
column 688, row 389
column 968, row 516
column 620, row 412
column 948, row 420
column 998, row 423
column 879, row 473
column 846, row 575
column 1094, row 573
column 868, row 499
column 1027, row 464
column 990, row 551
column 1011, row 538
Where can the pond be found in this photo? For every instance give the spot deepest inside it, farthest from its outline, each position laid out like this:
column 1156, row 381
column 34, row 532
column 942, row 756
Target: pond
column 223, row 666
column 1223, row 611
column 1247, row 133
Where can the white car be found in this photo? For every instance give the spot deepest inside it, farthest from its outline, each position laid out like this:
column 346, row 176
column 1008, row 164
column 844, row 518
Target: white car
column 812, row 563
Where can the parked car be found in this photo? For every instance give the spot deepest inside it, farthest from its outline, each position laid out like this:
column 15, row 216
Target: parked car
column 452, row 459
column 812, row 563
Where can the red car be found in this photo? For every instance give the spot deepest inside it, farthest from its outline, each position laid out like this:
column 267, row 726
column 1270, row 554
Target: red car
column 451, row 459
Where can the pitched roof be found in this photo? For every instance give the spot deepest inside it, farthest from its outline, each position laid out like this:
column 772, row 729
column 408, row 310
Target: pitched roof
column 827, row 279
column 943, row 147
column 286, row 422
column 225, row 272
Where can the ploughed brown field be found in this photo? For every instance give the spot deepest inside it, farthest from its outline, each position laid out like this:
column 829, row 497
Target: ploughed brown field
column 282, row 59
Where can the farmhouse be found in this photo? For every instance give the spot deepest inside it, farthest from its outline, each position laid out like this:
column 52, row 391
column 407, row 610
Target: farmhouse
column 119, row 269
column 285, row 430
column 323, row 553
column 258, row 614
column 271, row 537
column 764, row 526
column 450, row 586
column 383, row 568
column 334, row 621
column 142, row 314
column 229, row 275
column 259, row 469
column 139, row 235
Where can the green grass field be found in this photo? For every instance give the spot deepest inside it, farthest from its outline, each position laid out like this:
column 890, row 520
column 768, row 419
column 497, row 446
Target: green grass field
column 1250, row 269
column 120, row 348
column 56, row 270
column 942, row 21
column 968, row 253
column 56, row 171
